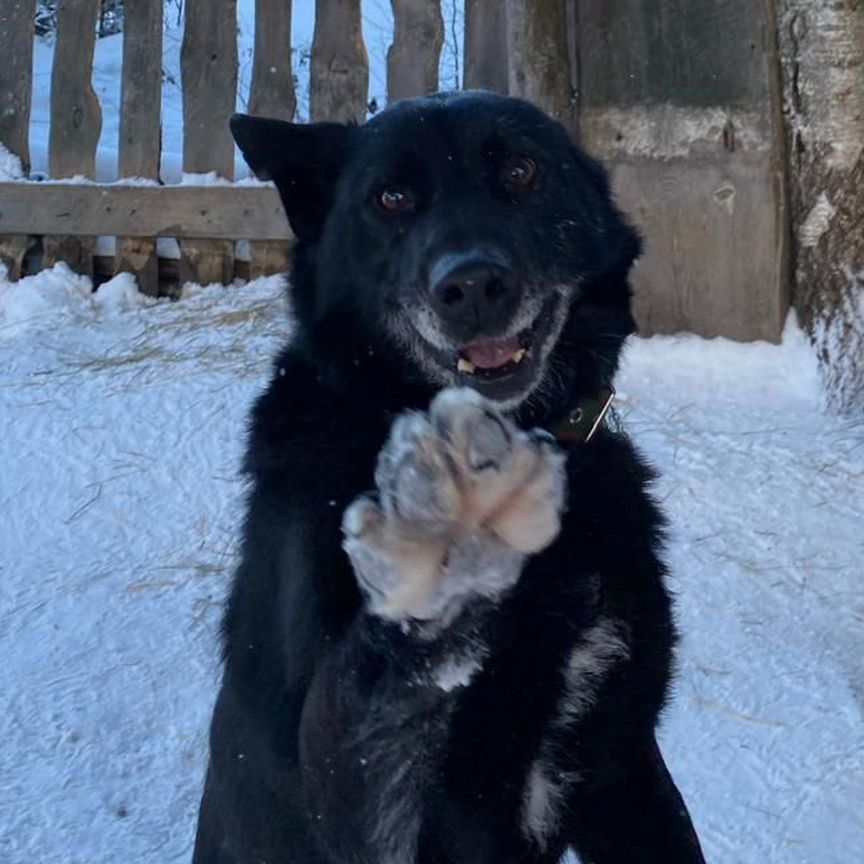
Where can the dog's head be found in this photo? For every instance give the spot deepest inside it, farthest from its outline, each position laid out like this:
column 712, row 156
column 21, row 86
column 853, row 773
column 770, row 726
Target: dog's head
column 464, row 233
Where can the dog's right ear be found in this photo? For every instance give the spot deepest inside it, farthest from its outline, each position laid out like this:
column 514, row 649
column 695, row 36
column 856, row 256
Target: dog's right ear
column 303, row 160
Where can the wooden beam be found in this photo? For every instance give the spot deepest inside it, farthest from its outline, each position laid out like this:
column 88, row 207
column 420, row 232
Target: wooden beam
column 140, row 126
column 76, row 118
column 208, row 65
column 339, row 86
column 230, row 212
column 413, row 58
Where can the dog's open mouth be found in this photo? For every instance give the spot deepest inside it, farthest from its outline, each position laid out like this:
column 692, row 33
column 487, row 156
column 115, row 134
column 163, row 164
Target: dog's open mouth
column 503, row 368
column 489, row 358
column 506, row 367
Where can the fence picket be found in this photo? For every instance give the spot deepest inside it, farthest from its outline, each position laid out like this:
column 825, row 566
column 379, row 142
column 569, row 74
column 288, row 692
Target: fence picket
column 412, row 59
column 340, row 68
column 140, row 131
column 538, row 52
column 16, row 77
column 271, row 95
column 272, row 91
column 208, row 68
column 485, row 46
column 76, row 118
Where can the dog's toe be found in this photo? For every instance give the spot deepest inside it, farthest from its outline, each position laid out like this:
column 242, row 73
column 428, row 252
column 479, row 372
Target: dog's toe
column 414, row 475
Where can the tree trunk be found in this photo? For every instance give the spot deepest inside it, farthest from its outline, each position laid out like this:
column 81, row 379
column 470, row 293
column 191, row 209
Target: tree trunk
column 412, row 59
column 538, row 52
column 822, row 49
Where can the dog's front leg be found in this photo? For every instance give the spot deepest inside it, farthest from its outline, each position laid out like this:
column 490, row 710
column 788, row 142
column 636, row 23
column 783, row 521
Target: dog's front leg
column 463, row 498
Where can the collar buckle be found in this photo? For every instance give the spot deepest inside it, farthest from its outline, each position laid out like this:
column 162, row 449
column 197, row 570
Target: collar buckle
column 583, row 421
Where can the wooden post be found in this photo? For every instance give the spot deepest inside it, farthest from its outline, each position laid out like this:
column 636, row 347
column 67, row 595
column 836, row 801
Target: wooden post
column 16, row 82
column 822, row 46
column 271, row 95
column 680, row 97
column 140, row 129
column 208, row 67
column 16, row 77
column 339, row 85
column 412, row 59
column 76, row 118
column 486, row 46
column 272, row 92
column 538, row 55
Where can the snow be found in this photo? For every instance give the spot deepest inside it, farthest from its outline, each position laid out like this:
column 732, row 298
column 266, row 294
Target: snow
column 124, row 424
column 10, row 165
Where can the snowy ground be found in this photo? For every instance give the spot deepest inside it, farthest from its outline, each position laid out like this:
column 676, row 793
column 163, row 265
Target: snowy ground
column 123, row 426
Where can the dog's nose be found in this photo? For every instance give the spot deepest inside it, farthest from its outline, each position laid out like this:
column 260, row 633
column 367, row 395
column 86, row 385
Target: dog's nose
column 477, row 293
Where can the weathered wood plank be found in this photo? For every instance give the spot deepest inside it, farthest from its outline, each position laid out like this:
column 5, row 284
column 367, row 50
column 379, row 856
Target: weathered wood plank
column 268, row 257
column 272, row 95
column 339, row 84
column 823, row 80
column 140, row 129
column 538, row 55
column 208, row 66
column 272, row 92
column 485, row 47
column 412, row 59
column 690, row 125
column 76, row 118
column 144, row 211
column 16, row 77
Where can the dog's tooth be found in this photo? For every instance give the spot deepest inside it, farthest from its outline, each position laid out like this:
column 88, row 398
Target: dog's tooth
column 517, row 357
column 466, row 366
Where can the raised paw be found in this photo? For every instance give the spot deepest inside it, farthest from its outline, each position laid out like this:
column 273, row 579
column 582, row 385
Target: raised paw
column 463, row 496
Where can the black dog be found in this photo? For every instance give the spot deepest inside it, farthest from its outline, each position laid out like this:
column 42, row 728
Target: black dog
column 478, row 680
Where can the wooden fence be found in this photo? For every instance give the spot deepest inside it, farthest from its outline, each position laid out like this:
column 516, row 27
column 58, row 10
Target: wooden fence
column 689, row 121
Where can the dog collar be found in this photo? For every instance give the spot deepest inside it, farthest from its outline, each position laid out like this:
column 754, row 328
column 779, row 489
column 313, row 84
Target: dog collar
column 582, row 422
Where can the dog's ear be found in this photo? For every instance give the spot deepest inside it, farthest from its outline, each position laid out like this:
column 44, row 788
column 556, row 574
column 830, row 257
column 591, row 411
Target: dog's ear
column 303, row 160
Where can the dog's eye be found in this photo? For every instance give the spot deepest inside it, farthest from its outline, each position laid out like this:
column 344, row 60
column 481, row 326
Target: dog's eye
column 394, row 200
column 520, row 172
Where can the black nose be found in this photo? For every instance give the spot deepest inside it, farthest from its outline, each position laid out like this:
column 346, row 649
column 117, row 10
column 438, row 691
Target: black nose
column 474, row 293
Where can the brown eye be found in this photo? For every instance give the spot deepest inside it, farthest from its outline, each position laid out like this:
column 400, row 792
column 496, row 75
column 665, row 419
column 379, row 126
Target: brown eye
column 395, row 201
column 520, row 172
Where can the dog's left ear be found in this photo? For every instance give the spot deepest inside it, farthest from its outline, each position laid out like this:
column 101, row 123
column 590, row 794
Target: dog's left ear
column 303, row 160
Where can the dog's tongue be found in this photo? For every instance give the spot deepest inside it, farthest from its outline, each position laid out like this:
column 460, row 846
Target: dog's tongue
column 486, row 353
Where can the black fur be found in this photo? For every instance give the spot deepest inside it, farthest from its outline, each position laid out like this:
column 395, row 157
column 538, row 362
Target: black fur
column 320, row 723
